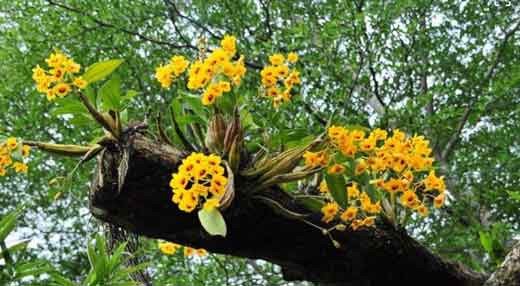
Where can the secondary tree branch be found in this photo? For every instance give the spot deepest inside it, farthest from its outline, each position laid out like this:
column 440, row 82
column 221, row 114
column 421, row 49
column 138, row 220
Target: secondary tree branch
column 371, row 69
column 448, row 148
column 500, row 51
column 314, row 113
column 172, row 13
column 267, row 16
column 112, row 26
column 196, row 23
column 456, row 135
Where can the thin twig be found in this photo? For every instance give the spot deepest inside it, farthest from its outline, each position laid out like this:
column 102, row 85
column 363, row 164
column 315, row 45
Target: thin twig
column 112, row 26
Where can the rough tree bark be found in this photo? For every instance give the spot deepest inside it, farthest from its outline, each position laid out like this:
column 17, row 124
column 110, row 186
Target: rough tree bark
column 366, row 257
column 508, row 274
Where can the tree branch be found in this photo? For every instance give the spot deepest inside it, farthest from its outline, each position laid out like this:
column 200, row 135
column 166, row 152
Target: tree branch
column 191, row 20
column 313, row 112
column 172, row 12
column 267, row 20
column 371, row 68
column 448, row 148
column 112, row 26
column 456, row 136
column 370, row 256
column 500, row 51
column 508, row 274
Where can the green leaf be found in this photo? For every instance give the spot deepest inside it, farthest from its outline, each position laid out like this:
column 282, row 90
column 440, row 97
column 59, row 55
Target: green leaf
column 102, row 257
column 19, row 246
column 247, row 119
column 337, row 185
column 92, row 255
column 8, row 223
column 91, row 279
column 187, row 119
column 176, row 110
column 301, row 142
column 70, row 109
column 194, row 103
column 91, row 95
column 124, row 116
column 295, row 134
column 213, row 222
column 81, row 120
column 486, row 241
column 72, row 106
column 100, row 70
column 60, row 280
column 131, row 94
column 128, row 97
column 135, row 268
column 33, row 268
column 110, row 94
column 312, row 204
column 116, row 258
column 69, row 105
column 17, row 152
column 514, row 195
column 176, row 107
column 226, row 103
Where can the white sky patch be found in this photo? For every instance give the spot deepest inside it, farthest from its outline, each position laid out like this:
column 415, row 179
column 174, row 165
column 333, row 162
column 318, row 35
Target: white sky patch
column 483, row 124
column 437, row 19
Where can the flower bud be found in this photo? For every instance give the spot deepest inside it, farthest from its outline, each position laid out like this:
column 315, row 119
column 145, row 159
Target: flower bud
column 234, row 129
column 234, row 154
column 215, row 134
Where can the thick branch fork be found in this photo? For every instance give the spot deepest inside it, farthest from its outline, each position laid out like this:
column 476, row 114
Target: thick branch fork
column 366, row 257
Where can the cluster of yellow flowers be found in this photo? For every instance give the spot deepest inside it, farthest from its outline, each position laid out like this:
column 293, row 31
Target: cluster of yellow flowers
column 316, row 159
column 378, row 166
column 277, row 80
column 59, row 79
column 361, row 210
column 216, row 72
column 12, row 149
column 199, row 176
column 170, row 248
column 167, row 73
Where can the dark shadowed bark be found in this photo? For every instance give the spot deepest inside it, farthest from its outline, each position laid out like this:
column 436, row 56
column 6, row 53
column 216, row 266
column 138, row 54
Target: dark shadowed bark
column 370, row 256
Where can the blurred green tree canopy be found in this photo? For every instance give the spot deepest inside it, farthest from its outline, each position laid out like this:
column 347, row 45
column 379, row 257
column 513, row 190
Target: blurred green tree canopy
column 447, row 69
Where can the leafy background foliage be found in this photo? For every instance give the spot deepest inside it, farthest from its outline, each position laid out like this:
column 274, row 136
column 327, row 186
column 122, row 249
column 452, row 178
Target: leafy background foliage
column 446, row 69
